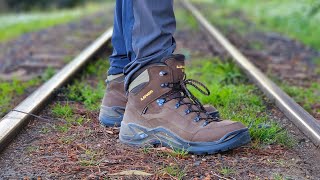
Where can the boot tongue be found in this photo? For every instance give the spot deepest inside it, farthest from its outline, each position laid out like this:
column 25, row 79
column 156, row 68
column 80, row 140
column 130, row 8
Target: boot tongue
column 176, row 63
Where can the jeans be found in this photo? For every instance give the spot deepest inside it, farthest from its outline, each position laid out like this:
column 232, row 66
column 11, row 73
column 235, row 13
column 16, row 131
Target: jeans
column 142, row 34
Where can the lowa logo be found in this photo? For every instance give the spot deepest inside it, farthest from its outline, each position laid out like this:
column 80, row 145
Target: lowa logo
column 180, row 67
column 146, row 95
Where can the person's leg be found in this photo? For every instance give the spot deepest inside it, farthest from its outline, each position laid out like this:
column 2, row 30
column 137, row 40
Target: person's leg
column 150, row 36
column 119, row 58
column 160, row 109
column 114, row 100
column 143, row 33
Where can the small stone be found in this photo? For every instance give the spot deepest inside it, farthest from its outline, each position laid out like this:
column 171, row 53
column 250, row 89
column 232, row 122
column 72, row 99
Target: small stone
column 203, row 159
column 197, row 163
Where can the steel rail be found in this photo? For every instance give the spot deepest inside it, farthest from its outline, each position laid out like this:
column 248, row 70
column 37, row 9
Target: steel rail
column 14, row 121
column 294, row 112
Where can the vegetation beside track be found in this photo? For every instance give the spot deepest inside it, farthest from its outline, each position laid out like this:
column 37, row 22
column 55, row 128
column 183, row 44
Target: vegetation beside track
column 296, row 19
column 14, row 25
column 12, row 91
column 290, row 18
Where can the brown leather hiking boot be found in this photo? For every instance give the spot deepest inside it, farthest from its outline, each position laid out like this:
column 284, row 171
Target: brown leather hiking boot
column 114, row 101
column 161, row 110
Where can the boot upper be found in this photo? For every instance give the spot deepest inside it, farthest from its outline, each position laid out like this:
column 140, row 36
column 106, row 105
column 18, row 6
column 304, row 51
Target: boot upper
column 162, row 102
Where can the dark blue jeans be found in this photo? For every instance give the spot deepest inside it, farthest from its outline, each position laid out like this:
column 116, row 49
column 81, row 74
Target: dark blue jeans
column 142, row 34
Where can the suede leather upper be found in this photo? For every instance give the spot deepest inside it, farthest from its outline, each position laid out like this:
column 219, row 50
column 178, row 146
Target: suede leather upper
column 143, row 109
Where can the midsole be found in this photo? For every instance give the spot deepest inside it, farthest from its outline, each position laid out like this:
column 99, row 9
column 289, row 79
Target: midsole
column 138, row 135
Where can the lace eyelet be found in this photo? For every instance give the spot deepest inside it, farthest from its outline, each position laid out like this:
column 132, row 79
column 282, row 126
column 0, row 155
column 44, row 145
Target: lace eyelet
column 162, row 73
column 205, row 123
column 164, row 85
column 196, row 119
column 187, row 111
column 161, row 102
column 177, row 105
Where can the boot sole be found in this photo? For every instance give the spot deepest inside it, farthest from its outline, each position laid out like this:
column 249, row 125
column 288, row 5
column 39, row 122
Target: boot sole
column 110, row 117
column 135, row 135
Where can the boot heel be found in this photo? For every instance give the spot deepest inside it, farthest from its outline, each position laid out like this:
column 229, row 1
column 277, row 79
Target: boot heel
column 110, row 116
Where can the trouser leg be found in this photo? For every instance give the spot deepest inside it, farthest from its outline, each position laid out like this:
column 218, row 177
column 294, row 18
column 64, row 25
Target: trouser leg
column 151, row 30
column 119, row 58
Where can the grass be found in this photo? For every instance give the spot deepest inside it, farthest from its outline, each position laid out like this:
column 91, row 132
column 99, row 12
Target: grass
column 174, row 171
column 237, row 99
column 292, row 18
column 14, row 25
column 90, row 95
column 81, row 91
column 9, row 90
column 62, row 110
column 226, row 171
column 307, row 97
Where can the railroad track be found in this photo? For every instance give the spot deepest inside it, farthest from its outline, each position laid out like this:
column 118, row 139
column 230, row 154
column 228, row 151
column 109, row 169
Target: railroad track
column 14, row 121
column 294, row 112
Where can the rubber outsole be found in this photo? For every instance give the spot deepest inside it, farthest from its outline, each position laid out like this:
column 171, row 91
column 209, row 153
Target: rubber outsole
column 110, row 117
column 135, row 135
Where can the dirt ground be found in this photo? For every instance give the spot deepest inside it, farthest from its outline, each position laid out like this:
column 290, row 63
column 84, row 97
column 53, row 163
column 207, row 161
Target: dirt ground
column 90, row 151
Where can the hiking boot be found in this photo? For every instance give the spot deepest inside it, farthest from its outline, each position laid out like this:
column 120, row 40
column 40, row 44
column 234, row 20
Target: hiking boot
column 114, row 101
column 161, row 110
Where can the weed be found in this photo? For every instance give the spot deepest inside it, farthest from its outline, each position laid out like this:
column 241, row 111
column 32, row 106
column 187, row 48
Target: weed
column 31, row 149
column 226, row 171
column 90, row 158
column 10, row 90
column 279, row 177
column 62, row 111
column 67, row 139
column 48, row 73
column 179, row 153
column 62, row 128
column 175, row 171
column 45, row 130
column 146, row 149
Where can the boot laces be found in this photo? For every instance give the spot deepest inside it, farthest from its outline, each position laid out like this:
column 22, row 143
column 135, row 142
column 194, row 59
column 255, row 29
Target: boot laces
column 180, row 91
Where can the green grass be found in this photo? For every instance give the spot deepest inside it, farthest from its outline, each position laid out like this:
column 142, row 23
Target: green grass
column 62, row 110
column 9, row 90
column 90, row 95
column 292, row 18
column 226, row 171
column 174, row 171
column 307, row 97
column 237, row 100
column 14, row 25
